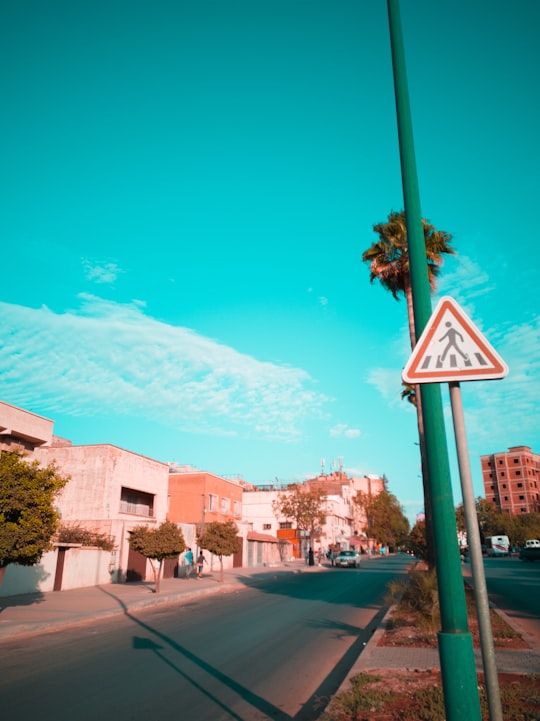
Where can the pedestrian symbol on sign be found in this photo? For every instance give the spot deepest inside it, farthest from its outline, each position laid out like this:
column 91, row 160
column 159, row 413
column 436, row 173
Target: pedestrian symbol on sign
column 451, row 334
column 451, row 348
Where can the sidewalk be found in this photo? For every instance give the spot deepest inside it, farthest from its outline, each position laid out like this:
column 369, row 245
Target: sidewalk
column 48, row 612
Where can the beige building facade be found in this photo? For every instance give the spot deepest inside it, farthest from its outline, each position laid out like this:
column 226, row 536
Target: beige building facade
column 111, row 490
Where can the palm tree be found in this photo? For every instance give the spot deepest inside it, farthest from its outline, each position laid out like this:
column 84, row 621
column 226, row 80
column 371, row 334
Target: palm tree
column 388, row 260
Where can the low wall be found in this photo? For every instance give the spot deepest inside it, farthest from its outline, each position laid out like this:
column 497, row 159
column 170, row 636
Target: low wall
column 30, row 579
column 82, row 567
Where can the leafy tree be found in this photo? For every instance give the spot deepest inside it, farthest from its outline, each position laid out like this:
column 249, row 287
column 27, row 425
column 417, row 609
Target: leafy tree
column 525, row 526
column 157, row 544
column 417, row 540
column 28, row 518
column 492, row 523
column 385, row 518
column 388, row 260
column 306, row 508
column 221, row 539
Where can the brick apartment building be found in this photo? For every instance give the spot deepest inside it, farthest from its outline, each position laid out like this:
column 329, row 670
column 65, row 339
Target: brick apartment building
column 512, row 480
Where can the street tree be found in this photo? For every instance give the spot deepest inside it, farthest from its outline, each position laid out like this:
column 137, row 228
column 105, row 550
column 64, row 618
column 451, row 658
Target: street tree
column 221, row 539
column 388, row 260
column 307, row 509
column 524, row 527
column 416, row 541
column 28, row 518
column 386, row 521
column 493, row 523
column 157, row 544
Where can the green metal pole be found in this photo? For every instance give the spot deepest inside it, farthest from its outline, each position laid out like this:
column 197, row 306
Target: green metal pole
column 456, row 653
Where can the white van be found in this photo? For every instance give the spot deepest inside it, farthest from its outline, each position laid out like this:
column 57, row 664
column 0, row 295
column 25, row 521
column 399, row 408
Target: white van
column 532, row 543
column 497, row 546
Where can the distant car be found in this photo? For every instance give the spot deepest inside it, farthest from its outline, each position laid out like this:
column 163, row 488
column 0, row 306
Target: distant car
column 348, row 559
column 530, row 553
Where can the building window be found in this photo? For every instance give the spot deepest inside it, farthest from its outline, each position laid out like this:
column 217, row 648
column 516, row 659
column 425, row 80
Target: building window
column 212, row 501
column 520, row 485
column 225, row 505
column 237, row 509
column 285, row 525
column 522, row 498
column 267, row 526
column 137, row 503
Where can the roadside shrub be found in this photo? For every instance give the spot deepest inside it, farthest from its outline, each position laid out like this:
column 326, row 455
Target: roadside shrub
column 421, row 594
column 75, row 533
column 418, row 594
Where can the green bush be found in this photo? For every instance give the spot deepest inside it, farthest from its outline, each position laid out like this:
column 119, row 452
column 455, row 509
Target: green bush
column 75, row 533
column 418, row 594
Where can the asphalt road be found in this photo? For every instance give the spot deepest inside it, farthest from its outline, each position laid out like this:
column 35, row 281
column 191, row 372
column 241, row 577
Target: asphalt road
column 275, row 651
column 514, row 586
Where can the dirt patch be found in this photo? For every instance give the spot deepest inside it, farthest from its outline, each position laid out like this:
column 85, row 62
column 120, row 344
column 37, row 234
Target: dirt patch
column 404, row 628
column 418, row 697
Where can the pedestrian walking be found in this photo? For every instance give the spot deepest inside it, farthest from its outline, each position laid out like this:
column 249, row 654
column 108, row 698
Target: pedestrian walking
column 201, row 560
column 188, row 562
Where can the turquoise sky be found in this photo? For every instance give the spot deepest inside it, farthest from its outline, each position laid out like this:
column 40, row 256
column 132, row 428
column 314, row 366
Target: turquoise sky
column 186, row 191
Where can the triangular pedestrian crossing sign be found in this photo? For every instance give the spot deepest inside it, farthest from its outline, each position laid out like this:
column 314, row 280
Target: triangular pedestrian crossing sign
column 451, row 348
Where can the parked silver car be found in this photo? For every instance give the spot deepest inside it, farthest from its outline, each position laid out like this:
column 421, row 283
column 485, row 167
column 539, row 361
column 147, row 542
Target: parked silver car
column 348, row 559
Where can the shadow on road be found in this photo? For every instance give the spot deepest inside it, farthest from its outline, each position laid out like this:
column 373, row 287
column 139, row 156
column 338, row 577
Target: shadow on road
column 148, row 644
column 320, row 698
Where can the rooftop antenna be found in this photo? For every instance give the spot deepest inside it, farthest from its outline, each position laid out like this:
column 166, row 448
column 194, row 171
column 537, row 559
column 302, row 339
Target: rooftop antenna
column 322, row 466
column 340, row 459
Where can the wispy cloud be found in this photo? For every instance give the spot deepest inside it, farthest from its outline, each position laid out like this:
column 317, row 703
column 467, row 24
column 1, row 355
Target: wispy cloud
column 341, row 429
column 113, row 358
column 468, row 280
column 502, row 413
column 388, row 382
column 104, row 272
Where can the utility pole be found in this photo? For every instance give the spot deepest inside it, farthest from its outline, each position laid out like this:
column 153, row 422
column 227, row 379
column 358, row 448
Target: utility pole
column 456, row 653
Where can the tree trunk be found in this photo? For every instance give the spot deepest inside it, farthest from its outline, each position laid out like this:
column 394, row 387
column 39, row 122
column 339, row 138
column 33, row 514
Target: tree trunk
column 221, row 577
column 430, row 549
